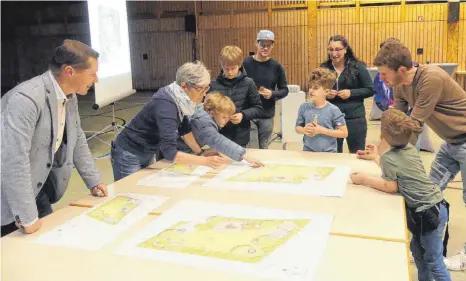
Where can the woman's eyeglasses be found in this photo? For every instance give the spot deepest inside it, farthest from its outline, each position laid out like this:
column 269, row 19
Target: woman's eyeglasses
column 337, row 50
column 199, row 89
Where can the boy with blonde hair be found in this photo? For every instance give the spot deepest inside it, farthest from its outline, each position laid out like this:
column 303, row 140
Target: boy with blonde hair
column 241, row 89
column 403, row 172
column 213, row 115
column 319, row 121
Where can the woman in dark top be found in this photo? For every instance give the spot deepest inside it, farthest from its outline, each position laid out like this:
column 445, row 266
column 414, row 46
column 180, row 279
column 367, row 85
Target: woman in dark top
column 157, row 127
column 353, row 85
column 242, row 90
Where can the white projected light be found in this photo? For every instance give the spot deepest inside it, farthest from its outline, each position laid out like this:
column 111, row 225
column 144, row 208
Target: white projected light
column 108, row 22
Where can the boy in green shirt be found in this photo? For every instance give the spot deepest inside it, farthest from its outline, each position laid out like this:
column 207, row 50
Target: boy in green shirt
column 403, row 172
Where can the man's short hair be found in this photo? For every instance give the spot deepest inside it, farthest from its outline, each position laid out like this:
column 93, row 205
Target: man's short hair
column 389, row 41
column 393, row 56
column 72, row 53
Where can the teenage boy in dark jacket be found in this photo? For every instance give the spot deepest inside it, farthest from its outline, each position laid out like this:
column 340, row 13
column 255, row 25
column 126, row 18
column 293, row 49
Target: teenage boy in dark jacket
column 241, row 89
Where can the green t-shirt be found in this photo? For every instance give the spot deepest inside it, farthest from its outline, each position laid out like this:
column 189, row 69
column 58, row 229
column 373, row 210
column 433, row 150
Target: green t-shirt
column 405, row 167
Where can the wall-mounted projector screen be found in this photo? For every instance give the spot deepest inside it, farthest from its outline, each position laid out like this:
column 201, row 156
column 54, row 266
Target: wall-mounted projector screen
column 108, row 22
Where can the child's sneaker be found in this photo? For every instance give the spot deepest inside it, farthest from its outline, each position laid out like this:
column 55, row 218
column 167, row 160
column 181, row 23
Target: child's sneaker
column 456, row 262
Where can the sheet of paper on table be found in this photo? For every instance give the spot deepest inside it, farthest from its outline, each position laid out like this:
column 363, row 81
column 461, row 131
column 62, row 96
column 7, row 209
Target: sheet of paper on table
column 285, row 177
column 174, row 176
column 103, row 223
column 262, row 242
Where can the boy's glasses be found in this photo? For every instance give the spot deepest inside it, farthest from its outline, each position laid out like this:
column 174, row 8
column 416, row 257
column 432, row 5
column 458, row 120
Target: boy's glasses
column 231, row 67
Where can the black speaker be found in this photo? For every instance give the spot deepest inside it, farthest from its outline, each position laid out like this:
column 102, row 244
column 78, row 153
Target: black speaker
column 453, row 12
column 190, row 23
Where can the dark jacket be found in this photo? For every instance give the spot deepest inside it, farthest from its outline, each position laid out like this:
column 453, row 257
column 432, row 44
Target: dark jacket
column 271, row 75
column 155, row 129
column 361, row 87
column 205, row 131
column 243, row 92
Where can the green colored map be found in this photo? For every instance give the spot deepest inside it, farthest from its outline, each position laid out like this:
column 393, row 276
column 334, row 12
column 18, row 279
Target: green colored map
column 278, row 173
column 182, row 169
column 113, row 211
column 236, row 239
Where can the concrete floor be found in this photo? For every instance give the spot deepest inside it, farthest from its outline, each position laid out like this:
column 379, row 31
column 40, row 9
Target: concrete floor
column 126, row 109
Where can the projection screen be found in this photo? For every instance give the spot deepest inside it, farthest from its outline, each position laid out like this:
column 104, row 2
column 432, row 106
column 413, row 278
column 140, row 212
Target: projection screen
column 108, row 22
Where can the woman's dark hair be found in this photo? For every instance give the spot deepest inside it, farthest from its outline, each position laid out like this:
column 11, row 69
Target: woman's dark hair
column 351, row 60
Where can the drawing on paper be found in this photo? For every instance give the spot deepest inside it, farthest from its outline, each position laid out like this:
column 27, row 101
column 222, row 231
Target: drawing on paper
column 237, row 239
column 278, row 173
column 183, row 169
column 113, row 211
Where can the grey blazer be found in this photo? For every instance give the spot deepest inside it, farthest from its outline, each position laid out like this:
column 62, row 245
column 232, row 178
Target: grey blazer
column 29, row 130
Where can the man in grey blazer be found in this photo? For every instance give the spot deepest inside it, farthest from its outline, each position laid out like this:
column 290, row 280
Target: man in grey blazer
column 42, row 139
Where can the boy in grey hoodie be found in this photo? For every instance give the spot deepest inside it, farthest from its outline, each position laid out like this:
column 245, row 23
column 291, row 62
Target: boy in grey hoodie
column 209, row 118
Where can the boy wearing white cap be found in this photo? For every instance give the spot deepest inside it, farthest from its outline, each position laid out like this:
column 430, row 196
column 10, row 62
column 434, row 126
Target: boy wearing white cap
column 270, row 78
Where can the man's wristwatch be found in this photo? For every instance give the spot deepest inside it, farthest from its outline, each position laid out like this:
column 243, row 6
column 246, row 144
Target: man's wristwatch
column 201, row 152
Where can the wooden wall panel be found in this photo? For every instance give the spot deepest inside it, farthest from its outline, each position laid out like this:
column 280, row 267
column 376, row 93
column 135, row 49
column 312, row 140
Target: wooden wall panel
column 462, row 43
column 211, row 43
column 214, row 22
column 336, row 16
column 154, row 25
column 425, row 27
column 292, row 43
column 217, row 6
column 218, row 31
column 249, row 20
column 295, row 62
column 251, row 5
column 285, row 3
column 324, row 3
column 155, row 7
column 383, row 14
column 378, row 1
column 289, row 18
column 291, row 35
column 166, row 52
column 426, row 12
column 463, row 11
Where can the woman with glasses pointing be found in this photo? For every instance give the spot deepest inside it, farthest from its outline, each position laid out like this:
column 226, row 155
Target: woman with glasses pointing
column 153, row 133
column 353, row 85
